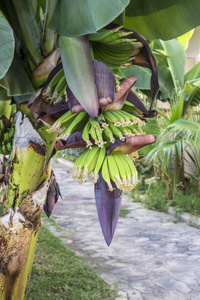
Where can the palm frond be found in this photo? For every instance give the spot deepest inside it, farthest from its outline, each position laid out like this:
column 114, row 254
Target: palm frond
column 188, row 130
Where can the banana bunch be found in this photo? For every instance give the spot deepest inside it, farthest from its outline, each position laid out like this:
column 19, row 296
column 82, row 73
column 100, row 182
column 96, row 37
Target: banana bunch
column 89, row 161
column 114, row 47
column 56, row 89
column 69, row 123
column 121, row 170
column 111, row 125
column 116, row 167
column 6, row 137
column 130, row 108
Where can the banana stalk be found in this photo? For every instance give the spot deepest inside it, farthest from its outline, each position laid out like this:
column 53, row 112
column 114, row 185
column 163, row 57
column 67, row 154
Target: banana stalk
column 27, row 162
column 18, row 237
column 30, row 177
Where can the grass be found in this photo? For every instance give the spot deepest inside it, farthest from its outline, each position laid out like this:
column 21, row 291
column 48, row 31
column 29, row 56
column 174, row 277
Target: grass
column 51, row 220
column 59, row 274
column 155, row 197
column 123, row 212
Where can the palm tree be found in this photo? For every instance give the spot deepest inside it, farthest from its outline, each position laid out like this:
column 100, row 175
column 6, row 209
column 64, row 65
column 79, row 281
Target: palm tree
column 177, row 136
column 40, row 41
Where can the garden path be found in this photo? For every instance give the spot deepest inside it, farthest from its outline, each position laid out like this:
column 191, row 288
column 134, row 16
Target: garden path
column 151, row 256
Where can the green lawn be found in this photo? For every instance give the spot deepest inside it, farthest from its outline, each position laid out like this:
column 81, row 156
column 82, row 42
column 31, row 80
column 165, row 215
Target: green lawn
column 58, row 274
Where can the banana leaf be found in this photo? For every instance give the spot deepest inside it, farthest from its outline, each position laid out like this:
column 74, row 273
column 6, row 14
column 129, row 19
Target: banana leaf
column 193, row 73
column 77, row 17
column 16, row 81
column 176, row 61
column 79, row 73
column 7, row 45
column 164, row 20
column 185, row 38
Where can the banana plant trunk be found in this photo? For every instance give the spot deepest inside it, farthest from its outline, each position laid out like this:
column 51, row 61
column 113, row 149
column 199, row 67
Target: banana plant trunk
column 29, row 180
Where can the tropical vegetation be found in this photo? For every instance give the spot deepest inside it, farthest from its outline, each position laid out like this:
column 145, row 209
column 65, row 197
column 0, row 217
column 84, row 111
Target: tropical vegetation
column 59, row 89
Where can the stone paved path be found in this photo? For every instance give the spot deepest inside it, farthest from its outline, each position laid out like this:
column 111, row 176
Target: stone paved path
column 151, row 256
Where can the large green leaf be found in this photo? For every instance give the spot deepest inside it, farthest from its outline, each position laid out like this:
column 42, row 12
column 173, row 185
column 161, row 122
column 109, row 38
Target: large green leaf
column 192, row 87
column 79, row 73
column 193, row 73
column 165, row 20
column 3, row 95
column 185, row 38
column 193, row 98
column 176, row 61
column 30, row 28
column 7, row 45
column 143, row 76
column 77, row 17
column 16, row 80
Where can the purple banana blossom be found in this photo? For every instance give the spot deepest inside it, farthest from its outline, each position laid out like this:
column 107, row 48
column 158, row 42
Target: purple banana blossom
column 52, row 196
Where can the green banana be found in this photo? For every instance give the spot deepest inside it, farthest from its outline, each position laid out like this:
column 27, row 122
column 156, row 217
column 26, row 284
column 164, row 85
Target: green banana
column 122, row 171
column 133, row 171
column 112, row 37
column 85, row 135
column 100, row 139
column 96, row 124
column 106, row 174
column 54, row 81
column 89, row 163
column 63, row 91
column 9, row 147
column 6, row 138
column 109, row 116
column 60, row 85
column 114, row 171
column 99, row 163
column 62, row 120
column 11, row 133
column 117, row 133
column 103, row 124
column 2, row 127
column 109, row 134
column 5, row 150
column 79, row 164
column 76, row 123
column 120, row 118
column 93, row 135
column 100, row 36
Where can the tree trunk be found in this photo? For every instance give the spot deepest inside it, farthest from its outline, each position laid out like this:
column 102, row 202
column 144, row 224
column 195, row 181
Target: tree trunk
column 29, row 181
column 169, row 190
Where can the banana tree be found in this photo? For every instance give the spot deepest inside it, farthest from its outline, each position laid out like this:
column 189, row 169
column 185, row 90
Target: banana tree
column 170, row 58
column 177, row 137
column 55, row 76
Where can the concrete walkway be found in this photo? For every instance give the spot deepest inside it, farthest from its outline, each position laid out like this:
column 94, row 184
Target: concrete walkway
column 151, row 256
